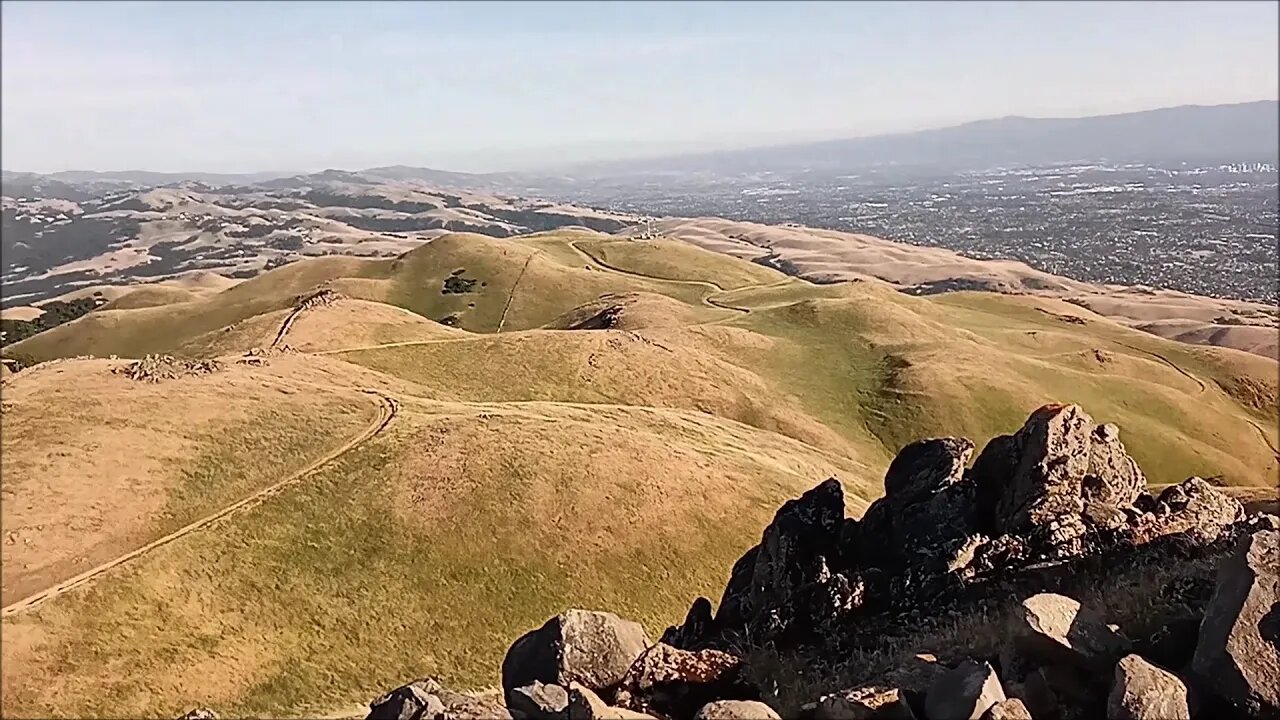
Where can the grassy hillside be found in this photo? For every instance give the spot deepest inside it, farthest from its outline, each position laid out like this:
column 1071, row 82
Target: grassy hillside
column 525, row 471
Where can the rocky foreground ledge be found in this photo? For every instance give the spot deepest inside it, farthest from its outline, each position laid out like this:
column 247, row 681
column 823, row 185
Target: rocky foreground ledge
column 1042, row 582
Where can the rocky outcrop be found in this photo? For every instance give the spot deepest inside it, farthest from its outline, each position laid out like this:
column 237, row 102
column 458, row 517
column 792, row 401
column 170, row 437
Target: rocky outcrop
column 592, row 648
column 986, row 553
column 1059, row 489
column 1143, row 691
column 1238, row 653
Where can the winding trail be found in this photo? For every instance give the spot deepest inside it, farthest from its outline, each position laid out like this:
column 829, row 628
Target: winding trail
column 387, row 409
column 1262, row 432
column 1166, row 361
column 708, row 299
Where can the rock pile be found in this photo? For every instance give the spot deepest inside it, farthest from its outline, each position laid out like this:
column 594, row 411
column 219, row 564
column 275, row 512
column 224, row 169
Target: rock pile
column 1057, row 503
column 158, row 368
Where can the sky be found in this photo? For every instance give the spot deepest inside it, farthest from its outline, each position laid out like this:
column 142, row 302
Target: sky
column 487, row 86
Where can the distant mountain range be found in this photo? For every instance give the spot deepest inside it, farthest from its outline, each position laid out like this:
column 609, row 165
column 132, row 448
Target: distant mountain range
column 1242, row 132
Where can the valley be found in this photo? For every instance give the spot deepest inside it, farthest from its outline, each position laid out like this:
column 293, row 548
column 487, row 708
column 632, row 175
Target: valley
column 347, row 471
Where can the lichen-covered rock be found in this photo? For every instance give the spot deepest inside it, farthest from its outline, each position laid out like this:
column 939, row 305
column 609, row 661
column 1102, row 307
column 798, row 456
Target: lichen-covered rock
column 592, row 648
column 736, row 710
column 965, row 692
column 1056, row 629
column 670, row 682
column 1142, row 691
column 1238, row 653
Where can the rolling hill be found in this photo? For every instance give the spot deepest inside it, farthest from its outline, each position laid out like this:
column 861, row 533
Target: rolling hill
column 397, row 464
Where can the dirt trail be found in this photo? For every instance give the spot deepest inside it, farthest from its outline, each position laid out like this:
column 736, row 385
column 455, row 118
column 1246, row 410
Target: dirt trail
column 288, row 323
column 1262, row 432
column 708, row 300
column 1168, row 362
column 387, row 409
column 512, row 295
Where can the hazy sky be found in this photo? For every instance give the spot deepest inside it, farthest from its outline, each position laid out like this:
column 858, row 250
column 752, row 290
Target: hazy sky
column 490, row 86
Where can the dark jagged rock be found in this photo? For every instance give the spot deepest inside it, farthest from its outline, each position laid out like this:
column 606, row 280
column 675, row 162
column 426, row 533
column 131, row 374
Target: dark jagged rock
column 592, row 648
column 770, row 585
column 1238, row 653
column 1143, row 691
column 696, row 629
column 928, row 512
column 964, row 693
column 673, row 683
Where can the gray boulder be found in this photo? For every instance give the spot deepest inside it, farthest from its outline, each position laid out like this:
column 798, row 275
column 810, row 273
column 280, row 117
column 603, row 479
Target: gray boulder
column 1238, row 652
column 964, row 693
column 592, row 648
column 1056, row 629
column 418, row 700
column 1143, row 691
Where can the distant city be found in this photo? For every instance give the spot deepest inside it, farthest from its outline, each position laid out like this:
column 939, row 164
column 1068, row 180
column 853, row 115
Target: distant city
column 1207, row 230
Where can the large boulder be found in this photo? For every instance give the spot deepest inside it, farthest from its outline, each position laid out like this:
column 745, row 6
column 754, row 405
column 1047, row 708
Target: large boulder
column 1057, row 463
column 1143, row 691
column 1238, row 653
column 674, row 683
column 1056, row 629
column 964, row 693
column 587, row 647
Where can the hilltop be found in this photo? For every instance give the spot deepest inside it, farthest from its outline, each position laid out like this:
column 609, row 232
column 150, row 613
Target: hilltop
column 343, row 472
